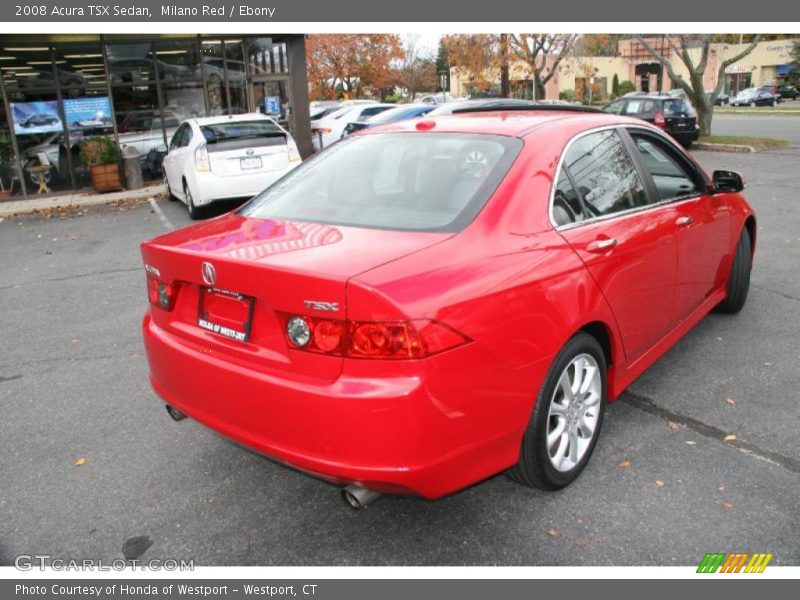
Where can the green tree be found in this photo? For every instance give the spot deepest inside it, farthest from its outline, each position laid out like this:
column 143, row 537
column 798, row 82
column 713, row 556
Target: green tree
column 615, row 86
column 793, row 76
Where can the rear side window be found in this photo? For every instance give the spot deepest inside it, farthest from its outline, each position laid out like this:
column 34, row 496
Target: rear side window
column 401, row 181
column 640, row 107
column 604, row 175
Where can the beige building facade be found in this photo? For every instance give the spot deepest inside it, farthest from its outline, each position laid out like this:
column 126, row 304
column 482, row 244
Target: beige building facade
column 591, row 77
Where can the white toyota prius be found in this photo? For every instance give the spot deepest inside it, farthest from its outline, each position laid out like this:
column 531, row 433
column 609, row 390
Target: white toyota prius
column 218, row 158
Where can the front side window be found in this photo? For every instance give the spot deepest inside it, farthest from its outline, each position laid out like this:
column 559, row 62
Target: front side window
column 670, row 177
column 401, row 181
column 604, row 174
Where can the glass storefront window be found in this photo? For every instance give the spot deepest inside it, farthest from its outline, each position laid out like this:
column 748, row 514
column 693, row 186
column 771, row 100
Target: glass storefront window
column 178, row 59
column 139, row 124
column 132, row 63
column 80, row 66
column 237, row 76
column 226, row 76
column 59, row 90
column 272, row 98
column 10, row 170
column 266, row 57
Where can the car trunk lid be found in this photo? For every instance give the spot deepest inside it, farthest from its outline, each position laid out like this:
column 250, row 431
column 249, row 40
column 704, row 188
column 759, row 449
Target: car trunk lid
column 249, row 155
column 263, row 271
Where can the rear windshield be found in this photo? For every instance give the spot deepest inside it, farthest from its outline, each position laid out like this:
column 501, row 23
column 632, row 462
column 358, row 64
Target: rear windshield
column 678, row 107
column 238, row 130
column 400, row 181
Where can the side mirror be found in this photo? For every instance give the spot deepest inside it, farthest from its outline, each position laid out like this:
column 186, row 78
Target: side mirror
column 162, row 149
column 727, row 181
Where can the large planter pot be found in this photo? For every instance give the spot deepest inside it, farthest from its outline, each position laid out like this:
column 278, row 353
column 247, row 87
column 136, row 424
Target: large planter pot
column 105, row 178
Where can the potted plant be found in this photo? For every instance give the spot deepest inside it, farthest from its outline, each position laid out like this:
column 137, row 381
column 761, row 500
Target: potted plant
column 101, row 155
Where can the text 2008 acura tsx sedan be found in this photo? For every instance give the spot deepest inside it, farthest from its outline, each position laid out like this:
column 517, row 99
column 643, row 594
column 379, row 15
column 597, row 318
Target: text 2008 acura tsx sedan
column 430, row 303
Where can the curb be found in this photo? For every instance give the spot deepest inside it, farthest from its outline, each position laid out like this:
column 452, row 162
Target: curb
column 70, row 201
column 722, row 147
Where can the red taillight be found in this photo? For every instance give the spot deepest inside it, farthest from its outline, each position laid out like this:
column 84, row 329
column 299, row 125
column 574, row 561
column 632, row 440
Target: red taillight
column 328, row 335
column 376, row 340
column 160, row 294
column 660, row 120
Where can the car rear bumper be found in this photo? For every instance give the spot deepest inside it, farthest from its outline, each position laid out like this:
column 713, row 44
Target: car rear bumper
column 685, row 137
column 209, row 187
column 398, row 435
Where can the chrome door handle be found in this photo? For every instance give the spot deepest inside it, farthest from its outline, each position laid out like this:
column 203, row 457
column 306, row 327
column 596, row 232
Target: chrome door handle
column 601, row 245
column 684, row 221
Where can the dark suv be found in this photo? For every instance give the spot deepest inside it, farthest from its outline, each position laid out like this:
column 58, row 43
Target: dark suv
column 788, row 91
column 674, row 115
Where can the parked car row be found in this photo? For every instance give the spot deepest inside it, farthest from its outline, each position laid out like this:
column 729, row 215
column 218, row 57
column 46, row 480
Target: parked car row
column 762, row 96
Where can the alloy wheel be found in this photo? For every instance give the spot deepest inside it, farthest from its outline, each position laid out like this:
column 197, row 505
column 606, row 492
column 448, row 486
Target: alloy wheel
column 574, row 412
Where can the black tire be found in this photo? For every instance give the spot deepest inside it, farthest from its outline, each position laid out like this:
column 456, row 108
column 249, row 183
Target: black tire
column 535, row 468
column 739, row 278
column 170, row 196
column 194, row 211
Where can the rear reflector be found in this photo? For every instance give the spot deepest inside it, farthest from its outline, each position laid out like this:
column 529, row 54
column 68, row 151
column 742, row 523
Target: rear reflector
column 376, row 340
column 161, row 294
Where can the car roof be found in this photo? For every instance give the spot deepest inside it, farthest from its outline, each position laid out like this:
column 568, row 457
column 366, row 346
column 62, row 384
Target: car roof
column 517, row 123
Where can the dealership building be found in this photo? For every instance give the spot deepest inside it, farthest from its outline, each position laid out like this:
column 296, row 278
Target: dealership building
column 57, row 90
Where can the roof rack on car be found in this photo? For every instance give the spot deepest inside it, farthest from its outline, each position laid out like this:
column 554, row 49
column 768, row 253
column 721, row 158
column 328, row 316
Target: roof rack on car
column 527, row 107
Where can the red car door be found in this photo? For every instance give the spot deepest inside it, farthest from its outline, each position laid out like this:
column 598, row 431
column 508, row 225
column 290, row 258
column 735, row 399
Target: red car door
column 702, row 222
column 602, row 208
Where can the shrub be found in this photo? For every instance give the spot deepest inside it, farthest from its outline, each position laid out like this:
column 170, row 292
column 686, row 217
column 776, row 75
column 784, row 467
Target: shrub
column 615, row 86
column 626, row 87
column 568, row 95
column 98, row 150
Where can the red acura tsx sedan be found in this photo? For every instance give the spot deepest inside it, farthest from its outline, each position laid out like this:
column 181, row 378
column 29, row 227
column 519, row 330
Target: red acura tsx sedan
column 429, row 303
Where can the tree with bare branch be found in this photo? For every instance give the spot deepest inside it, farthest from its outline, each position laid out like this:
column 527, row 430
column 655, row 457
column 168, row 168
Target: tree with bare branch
column 695, row 88
column 542, row 53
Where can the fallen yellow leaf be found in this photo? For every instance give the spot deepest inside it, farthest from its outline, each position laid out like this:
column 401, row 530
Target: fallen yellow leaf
column 624, row 464
column 660, row 482
column 672, row 425
column 727, row 505
column 721, row 488
column 553, row 533
column 730, row 401
column 80, row 462
column 729, row 438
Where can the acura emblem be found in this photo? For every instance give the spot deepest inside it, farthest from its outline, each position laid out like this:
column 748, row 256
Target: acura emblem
column 209, row 273
column 250, row 152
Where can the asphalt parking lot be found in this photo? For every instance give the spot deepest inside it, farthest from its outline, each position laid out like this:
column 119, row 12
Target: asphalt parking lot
column 663, row 487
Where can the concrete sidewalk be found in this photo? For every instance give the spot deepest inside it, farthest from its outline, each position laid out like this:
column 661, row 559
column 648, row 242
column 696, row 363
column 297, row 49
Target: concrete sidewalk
column 33, row 204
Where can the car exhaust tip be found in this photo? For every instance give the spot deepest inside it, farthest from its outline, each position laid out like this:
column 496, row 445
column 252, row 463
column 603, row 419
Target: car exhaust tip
column 359, row 497
column 175, row 413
